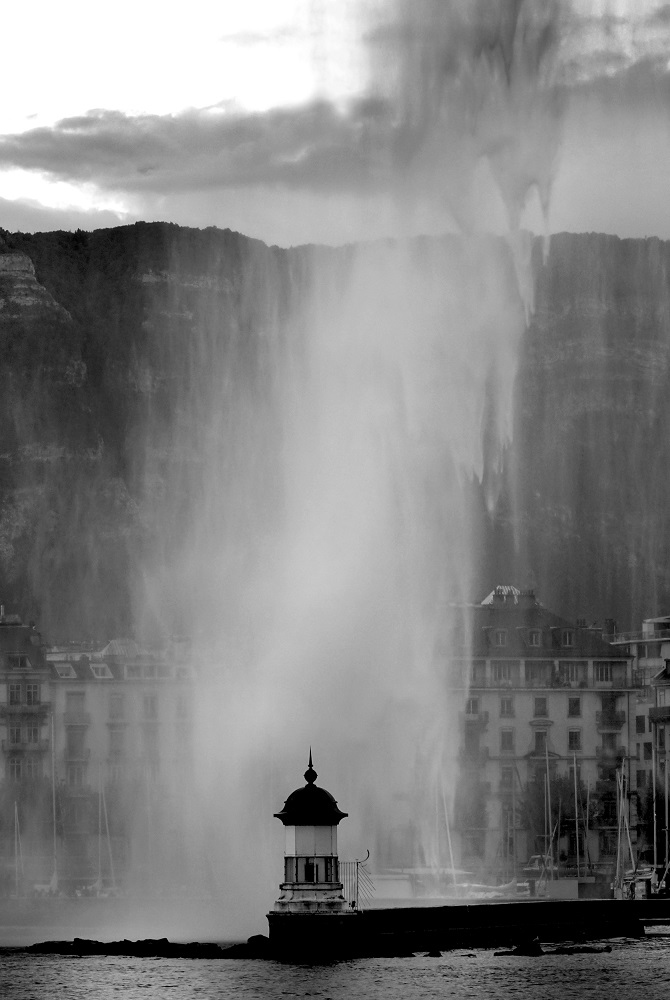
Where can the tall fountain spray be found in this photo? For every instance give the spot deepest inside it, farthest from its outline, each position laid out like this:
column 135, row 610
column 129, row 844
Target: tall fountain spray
column 328, row 427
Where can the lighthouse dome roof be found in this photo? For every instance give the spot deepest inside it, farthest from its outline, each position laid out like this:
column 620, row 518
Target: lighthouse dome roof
column 310, row 805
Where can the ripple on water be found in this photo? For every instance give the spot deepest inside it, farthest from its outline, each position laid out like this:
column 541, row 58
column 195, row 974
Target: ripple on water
column 632, row 970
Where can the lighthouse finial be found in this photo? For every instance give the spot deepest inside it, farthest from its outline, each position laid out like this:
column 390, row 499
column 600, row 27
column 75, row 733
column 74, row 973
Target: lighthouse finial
column 310, row 773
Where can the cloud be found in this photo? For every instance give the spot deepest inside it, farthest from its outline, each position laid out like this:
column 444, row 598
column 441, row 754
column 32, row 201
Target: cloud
column 314, row 146
column 451, row 85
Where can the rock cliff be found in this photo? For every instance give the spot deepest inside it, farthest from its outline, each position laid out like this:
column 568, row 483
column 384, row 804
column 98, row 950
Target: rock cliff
column 118, row 346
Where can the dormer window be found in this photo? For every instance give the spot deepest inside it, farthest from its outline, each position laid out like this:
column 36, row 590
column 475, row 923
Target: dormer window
column 534, row 637
column 568, row 637
column 500, row 637
column 101, row 671
column 18, row 661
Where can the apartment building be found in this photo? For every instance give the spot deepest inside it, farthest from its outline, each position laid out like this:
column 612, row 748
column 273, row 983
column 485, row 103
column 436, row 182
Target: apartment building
column 97, row 746
column 548, row 702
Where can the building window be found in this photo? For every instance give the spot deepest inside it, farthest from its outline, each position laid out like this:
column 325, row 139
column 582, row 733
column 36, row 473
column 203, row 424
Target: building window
column 32, row 769
column 65, row 671
column 150, row 704
column 641, row 651
column 507, row 741
column 116, row 742
column 115, row 773
column 603, row 671
column 500, row 637
column 501, row 671
column 609, row 741
column 14, row 694
column 471, row 706
column 101, row 671
column 641, row 779
column 640, row 723
column 574, row 707
column 33, row 734
column 660, row 743
column 647, row 751
column 534, row 637
column 18, row 661
column 477, row 676
column 540, row 741
column 15, row 769
column 75, row 775
column 574, row 740
column 572, row 671
column 75, row 743
column 32, row 694
column 116, row 705
column 608, row 842
column 14, row 735
column 506, row 777
column 540, row 707
column 507, row 707
column 538, row 673
column 567, row 637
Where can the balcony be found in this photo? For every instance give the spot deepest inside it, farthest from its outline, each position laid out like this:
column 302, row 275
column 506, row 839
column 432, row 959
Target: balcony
column 610, row 720
column 76, row 718
column 476, row 718
column 40, row 709
column 41, row 746
column 660, row 714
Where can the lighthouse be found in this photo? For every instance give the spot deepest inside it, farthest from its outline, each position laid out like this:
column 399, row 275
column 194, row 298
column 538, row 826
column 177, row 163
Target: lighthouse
column 311, row 913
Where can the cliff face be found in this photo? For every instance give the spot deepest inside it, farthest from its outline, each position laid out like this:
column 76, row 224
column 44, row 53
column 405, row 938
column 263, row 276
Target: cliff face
column 141, row 374
column 588, row 471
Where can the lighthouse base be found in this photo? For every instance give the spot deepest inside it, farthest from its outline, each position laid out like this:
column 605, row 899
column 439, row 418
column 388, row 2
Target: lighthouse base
column 314, row 935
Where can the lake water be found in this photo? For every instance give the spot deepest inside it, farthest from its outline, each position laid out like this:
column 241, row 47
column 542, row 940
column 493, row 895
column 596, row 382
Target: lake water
column 634, row 969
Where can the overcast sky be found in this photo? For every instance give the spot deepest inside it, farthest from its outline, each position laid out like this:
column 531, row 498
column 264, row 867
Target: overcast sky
column 333, row 120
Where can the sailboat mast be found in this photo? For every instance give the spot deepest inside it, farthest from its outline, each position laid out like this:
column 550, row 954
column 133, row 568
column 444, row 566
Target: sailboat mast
column 653, row 796
column 665, row 741
column 16, row 848
column 99, row 827
column 109, row 840
column 574, row 767
column 53, row 801
column 551, row 843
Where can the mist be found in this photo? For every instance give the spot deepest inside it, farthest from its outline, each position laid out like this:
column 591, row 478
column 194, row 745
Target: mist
column 312, row 485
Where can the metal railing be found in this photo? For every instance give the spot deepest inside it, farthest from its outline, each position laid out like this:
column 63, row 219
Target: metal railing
column 357, row 885
column 41, row 708
column 615, row 637
column 76, row 718
column 37, row 746
column 610, row 720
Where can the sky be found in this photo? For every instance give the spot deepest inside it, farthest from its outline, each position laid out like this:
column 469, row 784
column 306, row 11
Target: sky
column 317, row 120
